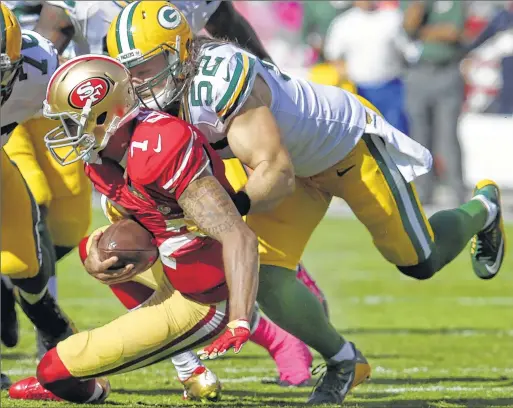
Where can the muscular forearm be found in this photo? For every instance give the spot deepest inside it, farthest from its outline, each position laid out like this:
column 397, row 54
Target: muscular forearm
column 267, row 186
column 240, row 257
column 227, row 22
column 208, row 205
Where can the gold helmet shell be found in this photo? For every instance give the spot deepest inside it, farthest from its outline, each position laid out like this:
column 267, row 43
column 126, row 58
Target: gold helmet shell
column 92, row 96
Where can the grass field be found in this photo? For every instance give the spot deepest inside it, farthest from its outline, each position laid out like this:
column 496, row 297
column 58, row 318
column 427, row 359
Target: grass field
column 447, row 342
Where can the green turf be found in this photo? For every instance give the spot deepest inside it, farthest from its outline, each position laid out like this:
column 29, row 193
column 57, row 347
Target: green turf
column 447, row 342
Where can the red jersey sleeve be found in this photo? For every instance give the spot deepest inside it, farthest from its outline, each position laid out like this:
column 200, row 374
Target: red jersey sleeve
column 107, row 178
column 169, row 153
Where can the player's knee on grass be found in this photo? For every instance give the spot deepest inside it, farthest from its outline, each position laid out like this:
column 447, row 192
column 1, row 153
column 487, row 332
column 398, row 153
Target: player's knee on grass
column 422, row 271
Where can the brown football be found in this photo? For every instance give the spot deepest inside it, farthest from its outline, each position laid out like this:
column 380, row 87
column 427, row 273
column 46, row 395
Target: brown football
column 131, row 243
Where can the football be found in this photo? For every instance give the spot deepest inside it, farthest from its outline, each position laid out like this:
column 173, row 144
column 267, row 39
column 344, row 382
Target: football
column 131, row 243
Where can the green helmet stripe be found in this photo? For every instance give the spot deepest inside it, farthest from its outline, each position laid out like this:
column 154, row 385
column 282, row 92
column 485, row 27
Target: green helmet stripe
column 3, row 35
column 124, row 38
column 129, row 26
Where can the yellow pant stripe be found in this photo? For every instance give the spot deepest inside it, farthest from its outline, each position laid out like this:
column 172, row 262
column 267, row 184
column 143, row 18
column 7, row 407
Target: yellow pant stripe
column 411, row 214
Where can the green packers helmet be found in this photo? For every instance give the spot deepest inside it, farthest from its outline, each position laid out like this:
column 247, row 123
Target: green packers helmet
column 10, row 56
column 152, row 31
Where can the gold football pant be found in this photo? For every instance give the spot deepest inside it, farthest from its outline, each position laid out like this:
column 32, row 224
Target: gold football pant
column 165, row 324
column 284, row 231
column 64, row 190
column 371, row 184
column 20, row 257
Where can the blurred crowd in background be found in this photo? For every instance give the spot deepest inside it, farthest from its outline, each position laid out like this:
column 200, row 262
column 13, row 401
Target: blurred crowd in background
column 422, row 63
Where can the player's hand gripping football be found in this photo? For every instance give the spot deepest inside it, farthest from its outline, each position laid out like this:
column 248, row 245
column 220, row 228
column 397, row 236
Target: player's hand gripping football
column 101, row 270
column 237, row 333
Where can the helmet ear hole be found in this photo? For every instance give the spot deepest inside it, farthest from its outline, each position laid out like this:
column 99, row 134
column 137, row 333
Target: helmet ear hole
column 101, row 119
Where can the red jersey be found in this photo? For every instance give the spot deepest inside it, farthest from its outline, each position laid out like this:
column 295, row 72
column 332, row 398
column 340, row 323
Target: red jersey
column 164, row 156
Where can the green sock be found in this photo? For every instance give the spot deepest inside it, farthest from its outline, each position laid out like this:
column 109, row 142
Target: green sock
column 291, row 305
column 454, row 228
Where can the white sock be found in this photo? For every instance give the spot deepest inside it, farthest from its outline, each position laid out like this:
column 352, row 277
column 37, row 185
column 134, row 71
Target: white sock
column 98, row 391
column 186, row 363
column 52, row 286
column 32, row 298
column 490, row 207
column 345, row 353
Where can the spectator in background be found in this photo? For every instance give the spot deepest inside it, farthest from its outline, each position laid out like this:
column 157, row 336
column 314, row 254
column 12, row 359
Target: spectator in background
column 500, row 23
column 435, row 88
column 317, row 16
column 361, row 43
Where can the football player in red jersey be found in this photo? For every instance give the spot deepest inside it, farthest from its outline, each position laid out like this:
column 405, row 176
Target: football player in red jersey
column 87, row 24
column 169, row 167
column 172, row 173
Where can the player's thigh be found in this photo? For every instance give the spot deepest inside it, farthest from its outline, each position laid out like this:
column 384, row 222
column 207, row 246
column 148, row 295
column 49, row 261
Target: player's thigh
column 20, row 242
column 284, row 231
column 21, row 150
column 369, row 181
column 70, row 211
column 68, row 218
column 151, row 278
column 169, row 325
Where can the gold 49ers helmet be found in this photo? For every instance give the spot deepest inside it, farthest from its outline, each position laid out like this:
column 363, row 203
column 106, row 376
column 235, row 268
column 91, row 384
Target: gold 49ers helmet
column 10, row 51
column 153, row 31
column 92, row 96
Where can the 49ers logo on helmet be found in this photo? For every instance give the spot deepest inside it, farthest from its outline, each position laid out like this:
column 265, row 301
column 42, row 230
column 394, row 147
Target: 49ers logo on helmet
column 94, row 89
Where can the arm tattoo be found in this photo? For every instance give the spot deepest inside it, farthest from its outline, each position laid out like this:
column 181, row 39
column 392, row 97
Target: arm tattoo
column 208, row 204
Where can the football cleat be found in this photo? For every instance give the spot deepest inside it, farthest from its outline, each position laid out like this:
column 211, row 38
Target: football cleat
column 203, row 385
column 105, row 384
column 31, row 389
column 488, row 246
column 338, row 379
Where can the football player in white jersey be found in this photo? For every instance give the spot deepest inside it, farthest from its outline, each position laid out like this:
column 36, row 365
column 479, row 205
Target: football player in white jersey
column 87, row 22
column 27, row 258
column 293, row 133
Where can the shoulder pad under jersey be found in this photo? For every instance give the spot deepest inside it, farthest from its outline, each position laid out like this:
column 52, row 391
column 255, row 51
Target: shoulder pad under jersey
column 39, row 63
column 224, row 80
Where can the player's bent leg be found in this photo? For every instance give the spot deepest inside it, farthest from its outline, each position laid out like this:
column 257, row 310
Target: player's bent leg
column 306, row 279
column 27, row 255
column 21, row 251
column 168, row 325
column 199, row 382
column 388, row 206
column 292, row 357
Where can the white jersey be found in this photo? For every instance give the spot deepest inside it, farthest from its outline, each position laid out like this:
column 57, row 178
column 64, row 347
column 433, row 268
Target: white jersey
column 29, row 90
column 319, row 124
column 92, row 19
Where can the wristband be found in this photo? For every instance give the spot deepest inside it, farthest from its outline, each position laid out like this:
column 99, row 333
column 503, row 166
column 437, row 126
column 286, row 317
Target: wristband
column 242, row 202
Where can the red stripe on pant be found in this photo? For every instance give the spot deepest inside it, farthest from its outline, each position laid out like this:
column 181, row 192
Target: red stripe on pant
column 131, row 294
